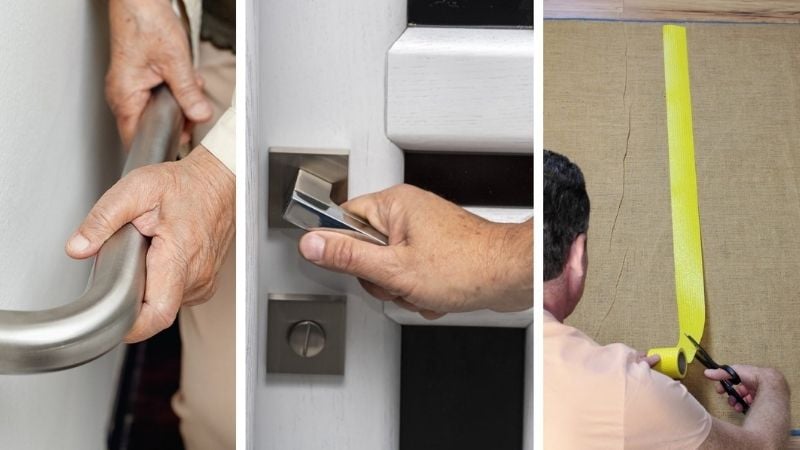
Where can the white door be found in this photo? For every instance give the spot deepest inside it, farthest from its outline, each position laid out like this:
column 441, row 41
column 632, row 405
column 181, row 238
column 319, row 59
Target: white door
column 351, row 75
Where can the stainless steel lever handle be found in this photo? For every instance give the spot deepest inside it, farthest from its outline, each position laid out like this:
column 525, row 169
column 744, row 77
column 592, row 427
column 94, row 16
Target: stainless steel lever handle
column 87, row 328
column 310, row 207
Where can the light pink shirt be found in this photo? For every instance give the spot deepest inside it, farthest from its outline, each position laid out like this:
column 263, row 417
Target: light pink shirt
column 601, row 397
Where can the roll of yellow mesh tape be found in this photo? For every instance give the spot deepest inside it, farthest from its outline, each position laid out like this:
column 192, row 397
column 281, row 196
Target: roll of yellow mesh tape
column 686, row 243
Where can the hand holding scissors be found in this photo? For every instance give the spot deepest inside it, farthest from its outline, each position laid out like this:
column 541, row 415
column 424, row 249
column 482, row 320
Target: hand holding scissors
column 728, row 385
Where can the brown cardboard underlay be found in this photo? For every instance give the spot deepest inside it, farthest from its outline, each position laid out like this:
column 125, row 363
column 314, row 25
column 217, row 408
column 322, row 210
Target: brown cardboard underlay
column 604, row 108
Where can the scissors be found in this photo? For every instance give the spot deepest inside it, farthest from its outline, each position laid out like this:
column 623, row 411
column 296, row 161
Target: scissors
column 705, row 359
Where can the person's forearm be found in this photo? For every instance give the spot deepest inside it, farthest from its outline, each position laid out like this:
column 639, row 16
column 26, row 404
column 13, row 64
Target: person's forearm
column 768, row 416
column 515, row 263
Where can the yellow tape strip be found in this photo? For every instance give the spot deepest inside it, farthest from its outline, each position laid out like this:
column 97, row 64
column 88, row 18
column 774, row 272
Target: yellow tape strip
column 686, row 244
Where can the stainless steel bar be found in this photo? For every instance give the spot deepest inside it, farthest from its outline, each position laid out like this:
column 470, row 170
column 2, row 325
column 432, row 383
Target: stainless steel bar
column 310, row 207
column 86, row 328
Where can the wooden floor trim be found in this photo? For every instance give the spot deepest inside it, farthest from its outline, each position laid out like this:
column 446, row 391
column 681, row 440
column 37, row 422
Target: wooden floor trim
column 770, row 11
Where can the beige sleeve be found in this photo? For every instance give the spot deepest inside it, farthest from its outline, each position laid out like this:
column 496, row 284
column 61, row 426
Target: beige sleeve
column 661, row 413
column 221, row 140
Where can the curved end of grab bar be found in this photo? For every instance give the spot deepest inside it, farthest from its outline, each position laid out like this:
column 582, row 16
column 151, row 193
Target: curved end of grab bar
column 87, row 328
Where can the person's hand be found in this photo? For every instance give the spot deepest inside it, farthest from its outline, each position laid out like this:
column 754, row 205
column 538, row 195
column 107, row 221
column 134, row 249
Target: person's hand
column 751, row 377
column 651, row 360
column 187, row 207
column 767, row 423
column 440, row 258
column 149, row 46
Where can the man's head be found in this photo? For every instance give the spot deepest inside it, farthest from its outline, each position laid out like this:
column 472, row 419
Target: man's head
column 566, row 220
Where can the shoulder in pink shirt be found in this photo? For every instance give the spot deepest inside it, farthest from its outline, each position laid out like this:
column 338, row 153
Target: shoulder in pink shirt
column 602, row 397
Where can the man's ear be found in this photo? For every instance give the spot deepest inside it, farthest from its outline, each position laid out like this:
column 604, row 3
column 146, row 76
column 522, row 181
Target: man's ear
column 575, row 269
column 576, row 259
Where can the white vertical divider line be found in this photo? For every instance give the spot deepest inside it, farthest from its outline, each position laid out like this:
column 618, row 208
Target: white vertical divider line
column 538, row 211
column 246, row 225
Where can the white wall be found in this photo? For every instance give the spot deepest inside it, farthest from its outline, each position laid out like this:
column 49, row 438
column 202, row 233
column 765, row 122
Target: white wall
column 318, row 79
column 59, row 152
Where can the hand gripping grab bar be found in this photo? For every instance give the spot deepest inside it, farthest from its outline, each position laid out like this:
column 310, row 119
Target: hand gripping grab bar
column 85, row 329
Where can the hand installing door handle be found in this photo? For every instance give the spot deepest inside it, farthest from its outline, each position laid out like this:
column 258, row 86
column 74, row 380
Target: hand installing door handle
column 310, row 207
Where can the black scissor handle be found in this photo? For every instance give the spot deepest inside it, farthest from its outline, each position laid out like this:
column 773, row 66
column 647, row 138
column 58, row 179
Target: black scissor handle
column 728, row 386
column 734, row 376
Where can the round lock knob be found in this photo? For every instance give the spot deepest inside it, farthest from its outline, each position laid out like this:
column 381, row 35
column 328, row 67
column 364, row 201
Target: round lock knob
column 307, row 338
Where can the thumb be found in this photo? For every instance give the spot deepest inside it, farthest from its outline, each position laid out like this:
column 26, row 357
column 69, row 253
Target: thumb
column 336, row 251
column 125, row 201
column 652, row 360
column 183, row 82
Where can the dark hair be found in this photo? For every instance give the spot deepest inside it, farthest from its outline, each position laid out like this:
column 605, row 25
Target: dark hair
column 566, row 210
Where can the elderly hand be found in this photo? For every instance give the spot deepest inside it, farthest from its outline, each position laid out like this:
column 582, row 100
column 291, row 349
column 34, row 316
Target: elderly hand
column 440, row 258
column 149, row 46
column 187, row 207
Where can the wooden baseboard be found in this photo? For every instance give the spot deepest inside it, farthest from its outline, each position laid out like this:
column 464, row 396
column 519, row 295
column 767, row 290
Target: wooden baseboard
column 767, row 11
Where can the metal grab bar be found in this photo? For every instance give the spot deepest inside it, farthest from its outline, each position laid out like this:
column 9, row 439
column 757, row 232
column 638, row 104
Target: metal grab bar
column 95, row 323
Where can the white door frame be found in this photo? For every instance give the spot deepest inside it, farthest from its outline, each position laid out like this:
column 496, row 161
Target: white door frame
column 317, row 78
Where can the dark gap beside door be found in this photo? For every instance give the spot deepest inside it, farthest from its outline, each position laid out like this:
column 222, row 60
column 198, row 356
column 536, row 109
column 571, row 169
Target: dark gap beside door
column 494, row 13
column 473, row 179
column 462, row 388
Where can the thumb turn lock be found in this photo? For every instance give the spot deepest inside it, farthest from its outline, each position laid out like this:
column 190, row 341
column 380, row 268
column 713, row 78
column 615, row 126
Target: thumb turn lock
column 307, row 338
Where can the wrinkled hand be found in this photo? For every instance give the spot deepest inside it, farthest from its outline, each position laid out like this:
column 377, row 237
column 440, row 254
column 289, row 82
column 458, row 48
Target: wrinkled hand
column 149, row 46
column 751, row 377
column 440, row 258
column 187, row 207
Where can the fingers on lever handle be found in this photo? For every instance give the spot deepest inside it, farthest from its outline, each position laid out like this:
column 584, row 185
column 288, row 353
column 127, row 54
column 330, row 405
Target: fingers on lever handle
column 310, row 207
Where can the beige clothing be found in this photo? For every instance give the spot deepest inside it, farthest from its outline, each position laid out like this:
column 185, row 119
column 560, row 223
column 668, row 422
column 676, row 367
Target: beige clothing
column 220, row 138
column 207, row 397
column 206, row 401
column 602, row 397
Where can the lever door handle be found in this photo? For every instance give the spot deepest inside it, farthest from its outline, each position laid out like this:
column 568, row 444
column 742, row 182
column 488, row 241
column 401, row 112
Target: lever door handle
column 310, row 207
